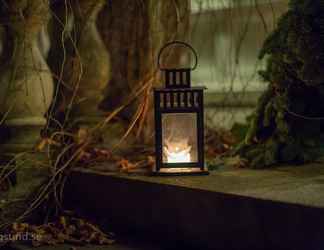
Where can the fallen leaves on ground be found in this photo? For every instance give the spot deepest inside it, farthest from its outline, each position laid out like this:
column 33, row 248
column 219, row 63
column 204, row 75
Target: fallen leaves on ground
column 64, row 230
column 128, row 166
column 4, row 185
column 40, row 146
column 218, row 141
column 91, row 155
column 234, row 161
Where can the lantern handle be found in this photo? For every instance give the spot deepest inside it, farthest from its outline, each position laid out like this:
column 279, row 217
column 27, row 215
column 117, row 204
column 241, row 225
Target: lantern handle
column 182, row 43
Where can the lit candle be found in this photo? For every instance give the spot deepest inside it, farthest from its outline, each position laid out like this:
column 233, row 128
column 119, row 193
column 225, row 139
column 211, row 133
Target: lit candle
column 176, row 155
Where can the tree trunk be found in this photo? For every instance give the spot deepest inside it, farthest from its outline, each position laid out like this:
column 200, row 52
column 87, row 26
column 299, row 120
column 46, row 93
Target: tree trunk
column 134, row 31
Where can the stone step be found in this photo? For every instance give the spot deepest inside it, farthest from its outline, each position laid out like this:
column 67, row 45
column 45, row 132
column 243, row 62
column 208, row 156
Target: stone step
column 281, row 208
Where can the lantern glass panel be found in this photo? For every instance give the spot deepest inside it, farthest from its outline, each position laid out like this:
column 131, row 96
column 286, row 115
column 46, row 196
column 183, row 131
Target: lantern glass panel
column 179, row 137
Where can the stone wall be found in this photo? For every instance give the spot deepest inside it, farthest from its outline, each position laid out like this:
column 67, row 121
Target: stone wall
column 228, row 41
column 228, row 36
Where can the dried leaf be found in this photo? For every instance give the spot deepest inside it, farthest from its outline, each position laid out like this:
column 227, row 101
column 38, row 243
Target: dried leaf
column 150, row 161
column 126, row 165
column 65, row 230
column 236, row 161
column 62, row 221
column 82, row 136
column 44, row 142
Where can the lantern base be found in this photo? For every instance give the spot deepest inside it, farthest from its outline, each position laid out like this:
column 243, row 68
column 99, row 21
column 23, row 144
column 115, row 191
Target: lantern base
column 179, row 172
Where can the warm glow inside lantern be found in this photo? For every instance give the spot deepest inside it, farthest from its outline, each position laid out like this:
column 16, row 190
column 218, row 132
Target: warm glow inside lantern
column 179, row 122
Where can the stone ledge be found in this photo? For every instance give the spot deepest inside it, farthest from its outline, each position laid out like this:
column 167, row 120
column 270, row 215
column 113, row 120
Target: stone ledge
column 230, row 209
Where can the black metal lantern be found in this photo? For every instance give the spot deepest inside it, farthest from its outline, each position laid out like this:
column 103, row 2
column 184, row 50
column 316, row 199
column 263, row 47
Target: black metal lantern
column 179, row 122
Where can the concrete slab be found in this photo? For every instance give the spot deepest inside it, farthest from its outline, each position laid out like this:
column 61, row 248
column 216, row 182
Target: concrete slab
column 281, row 208
column 302, row 185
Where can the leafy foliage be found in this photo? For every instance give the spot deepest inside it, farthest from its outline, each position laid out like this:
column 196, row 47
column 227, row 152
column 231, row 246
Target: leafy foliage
column 288, row 124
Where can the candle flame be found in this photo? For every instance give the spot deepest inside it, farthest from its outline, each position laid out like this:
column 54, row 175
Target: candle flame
column 178, row 155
